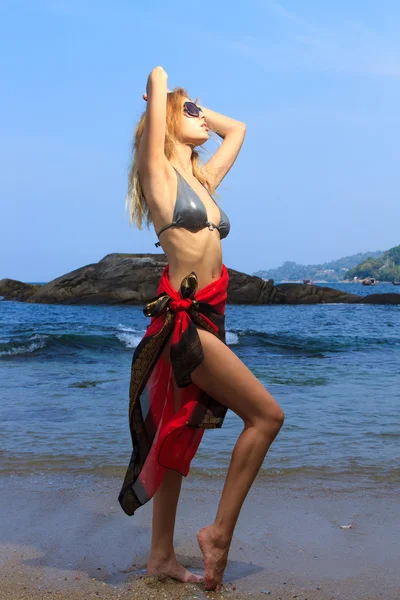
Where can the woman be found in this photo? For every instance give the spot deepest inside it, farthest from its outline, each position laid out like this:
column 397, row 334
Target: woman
column 185, row 343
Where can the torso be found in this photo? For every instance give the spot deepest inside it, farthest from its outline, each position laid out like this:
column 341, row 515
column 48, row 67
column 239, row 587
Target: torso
column 186, row 250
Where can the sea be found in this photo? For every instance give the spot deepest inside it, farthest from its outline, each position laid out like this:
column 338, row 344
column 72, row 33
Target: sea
column 333, row 368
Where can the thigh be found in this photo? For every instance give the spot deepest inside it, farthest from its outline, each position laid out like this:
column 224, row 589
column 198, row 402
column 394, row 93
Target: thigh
column 226, row 378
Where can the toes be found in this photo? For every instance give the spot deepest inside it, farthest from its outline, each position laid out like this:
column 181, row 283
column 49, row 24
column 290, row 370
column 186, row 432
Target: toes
column 213, row 586
column 213, row 582
column 210, row 584
column 186, row 576
column 195, row 578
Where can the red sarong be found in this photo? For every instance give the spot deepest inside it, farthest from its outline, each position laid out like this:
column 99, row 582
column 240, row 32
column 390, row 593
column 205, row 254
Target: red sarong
column 162, row 438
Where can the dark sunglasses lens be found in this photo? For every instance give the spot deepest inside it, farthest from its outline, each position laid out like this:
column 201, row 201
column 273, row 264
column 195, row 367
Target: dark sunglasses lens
column 192, row 109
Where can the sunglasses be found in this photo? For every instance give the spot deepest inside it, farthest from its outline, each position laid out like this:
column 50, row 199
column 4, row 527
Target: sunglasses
column 191, row 109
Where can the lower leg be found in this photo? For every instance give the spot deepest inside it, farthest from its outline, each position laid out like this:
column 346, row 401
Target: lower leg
column 165, row 502
column 162, row 560
column 247, row 458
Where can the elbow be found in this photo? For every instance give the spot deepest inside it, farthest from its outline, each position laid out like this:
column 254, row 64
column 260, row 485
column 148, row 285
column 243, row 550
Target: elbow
column 237, row 128
column 158, row 72
column 240, row 129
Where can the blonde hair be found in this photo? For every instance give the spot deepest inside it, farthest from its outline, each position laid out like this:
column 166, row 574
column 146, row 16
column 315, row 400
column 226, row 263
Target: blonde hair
column 138, row 207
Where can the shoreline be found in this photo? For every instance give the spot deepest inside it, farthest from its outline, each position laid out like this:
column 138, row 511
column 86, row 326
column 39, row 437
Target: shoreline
column 66, row 536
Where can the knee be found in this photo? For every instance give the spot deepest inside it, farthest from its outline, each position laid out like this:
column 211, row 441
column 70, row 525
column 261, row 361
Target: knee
column 275, row 418
column 271, row 421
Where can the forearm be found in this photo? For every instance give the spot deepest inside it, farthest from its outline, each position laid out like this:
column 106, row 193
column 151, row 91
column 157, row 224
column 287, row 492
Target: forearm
column 221, row 124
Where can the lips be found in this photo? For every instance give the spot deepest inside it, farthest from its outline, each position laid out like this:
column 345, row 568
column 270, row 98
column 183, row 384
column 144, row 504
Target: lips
column 205, row 125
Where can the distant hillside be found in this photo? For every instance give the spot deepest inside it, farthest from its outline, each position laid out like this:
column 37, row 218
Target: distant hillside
column 330, row 271
column 384, row 268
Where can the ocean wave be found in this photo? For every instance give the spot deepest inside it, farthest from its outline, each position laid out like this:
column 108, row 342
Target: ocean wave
column 130, row 337
column 126, row 337
column 305, row 343
column 232, row 338
column 57, row 343
column 29, row 346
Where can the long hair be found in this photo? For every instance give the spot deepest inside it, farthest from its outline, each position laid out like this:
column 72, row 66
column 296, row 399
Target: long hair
column 138, row 207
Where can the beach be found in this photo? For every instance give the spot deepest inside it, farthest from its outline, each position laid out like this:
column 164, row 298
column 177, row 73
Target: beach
column 65, row 446
column 65, row 536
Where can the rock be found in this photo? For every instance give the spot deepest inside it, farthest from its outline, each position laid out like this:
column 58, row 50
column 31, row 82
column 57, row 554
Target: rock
column 16, row 290
column 133, row 279
column 116, row 279
column 391, row 298
column 300, row 293
column 249, row 289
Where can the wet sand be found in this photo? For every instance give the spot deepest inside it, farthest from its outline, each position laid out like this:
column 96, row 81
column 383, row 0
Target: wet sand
column 65, row 536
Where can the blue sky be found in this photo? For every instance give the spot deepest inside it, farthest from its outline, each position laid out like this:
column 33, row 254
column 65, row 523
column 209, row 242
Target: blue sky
column 317, row 84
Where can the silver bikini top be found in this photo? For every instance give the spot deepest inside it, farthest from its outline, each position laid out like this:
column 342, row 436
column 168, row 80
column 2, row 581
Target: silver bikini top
column 190, row 212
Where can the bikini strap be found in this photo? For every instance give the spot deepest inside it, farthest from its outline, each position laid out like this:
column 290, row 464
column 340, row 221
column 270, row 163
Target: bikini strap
column 163, row 229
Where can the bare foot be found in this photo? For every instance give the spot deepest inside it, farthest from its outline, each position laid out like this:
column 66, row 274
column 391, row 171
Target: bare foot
column 171, row 568
column 215, row 552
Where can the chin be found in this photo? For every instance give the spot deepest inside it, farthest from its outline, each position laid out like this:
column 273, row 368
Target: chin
column 197, row 141
column 204, row 137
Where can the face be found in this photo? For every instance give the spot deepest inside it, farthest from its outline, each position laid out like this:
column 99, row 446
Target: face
column 192, row 129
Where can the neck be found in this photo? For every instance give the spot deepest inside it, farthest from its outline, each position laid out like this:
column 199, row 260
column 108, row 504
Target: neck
column 182, row 158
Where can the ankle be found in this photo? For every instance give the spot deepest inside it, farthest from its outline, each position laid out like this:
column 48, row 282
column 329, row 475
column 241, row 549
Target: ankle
column 220, row 534
column 159, row 555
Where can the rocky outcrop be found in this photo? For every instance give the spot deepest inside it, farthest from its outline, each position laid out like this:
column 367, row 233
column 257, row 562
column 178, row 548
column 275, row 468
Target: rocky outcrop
column 381, row 299
column 134, row 278
column 301, row 293
column 11, row 289
column 116, row 279
column 249, row 289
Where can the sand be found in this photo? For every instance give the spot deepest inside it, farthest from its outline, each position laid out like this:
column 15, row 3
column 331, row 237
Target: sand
column 65, row 536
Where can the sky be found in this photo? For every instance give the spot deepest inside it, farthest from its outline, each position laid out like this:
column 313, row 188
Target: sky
column 317, row 84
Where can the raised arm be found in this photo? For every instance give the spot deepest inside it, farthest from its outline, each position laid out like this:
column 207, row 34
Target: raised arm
column 233, row 133
column 151, row 149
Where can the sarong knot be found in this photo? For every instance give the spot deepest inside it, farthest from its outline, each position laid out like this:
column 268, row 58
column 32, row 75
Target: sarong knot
column 181, row 304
